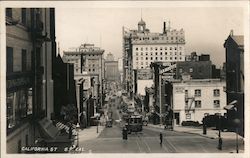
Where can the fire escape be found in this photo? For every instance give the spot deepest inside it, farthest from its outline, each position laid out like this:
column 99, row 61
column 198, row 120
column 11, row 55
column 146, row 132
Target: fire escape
column 189, row 102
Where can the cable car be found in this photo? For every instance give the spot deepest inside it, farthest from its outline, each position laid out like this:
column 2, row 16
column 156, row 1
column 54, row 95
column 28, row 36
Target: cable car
column 134, row 123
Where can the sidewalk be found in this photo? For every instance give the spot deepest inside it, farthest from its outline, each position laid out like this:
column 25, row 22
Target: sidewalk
column 212, row 134
column 90, row 133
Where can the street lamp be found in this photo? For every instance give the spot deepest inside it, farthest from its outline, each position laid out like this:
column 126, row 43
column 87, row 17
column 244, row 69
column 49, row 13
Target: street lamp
column 220, row 139
column 237, row 123
column 77, row 129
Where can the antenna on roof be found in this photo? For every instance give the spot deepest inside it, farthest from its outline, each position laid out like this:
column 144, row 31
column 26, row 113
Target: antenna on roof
column 231, row 32
column 169, row 25
column 141, row 13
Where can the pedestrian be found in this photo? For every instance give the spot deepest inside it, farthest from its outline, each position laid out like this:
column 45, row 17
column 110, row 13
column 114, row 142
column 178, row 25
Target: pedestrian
column 161, row 138
column 220, row 143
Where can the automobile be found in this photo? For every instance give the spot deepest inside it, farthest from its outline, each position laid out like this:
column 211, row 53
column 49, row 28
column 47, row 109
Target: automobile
column 109, row 123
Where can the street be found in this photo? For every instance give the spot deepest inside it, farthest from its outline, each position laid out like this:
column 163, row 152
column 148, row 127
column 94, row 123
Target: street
column 148, row 141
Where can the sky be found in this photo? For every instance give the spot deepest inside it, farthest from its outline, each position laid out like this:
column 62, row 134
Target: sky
column 206, row 28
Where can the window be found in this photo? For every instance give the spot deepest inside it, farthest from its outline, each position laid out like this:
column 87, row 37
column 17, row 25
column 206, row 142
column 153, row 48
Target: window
column 19, row 146
column 26, row 140
column 172, row 38
column 136, row 58
column 24, row 16
column 166, row 58
column 151, row 58
column 141, row 49
column 190, row 69
column 146, row 58
column 89, row 70
column 170, row 58
column 146, row 48
column 141, row 63
column 166, row 48
column 151, row 48
column 186, row 93
column 160, row 48
column 141, row 53
column 136, row 53
column 180, row 70
column 180, row 53
column 19, row 105
column 155, row 53
column 155, row 48
column 93, row 70
column 161, row 53
column 136, row 48
column 216, row 92
column 175, row 58
column 151, row 53
column 216, row 103
column 9, row 12
column 170, row 48
column 161, row 58
column 141, row 58
column 166, row 53
column 197, row 104
column 197, row 93
column 9, row 59
column 156, row 58
column 24, row 60
column 175, row 48
column 146, row 53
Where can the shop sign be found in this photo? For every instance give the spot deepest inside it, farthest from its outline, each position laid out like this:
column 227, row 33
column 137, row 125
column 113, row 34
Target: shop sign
column 144, row 74
column 168, row 69
column 188, row 116
column 179, row 89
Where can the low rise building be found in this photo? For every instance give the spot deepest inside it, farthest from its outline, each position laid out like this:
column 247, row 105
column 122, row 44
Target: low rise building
column 194, row 99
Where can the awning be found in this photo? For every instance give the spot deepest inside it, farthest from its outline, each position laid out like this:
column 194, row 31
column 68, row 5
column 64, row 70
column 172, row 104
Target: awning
column 47, row 129
column 229, row 107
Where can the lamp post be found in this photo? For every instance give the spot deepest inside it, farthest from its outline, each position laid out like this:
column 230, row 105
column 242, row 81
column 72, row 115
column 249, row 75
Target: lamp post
column 237, row 123
column 77, row 129
column 220, row 139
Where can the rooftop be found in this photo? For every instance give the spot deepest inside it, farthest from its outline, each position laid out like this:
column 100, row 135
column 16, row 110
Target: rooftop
column 239, row 39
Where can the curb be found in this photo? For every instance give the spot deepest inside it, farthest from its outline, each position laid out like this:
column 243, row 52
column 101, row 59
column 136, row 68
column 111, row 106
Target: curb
column 202, row 135
column 205, row 136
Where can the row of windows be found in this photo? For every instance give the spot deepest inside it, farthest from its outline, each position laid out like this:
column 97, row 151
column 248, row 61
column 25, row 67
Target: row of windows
column 10, row 58
column 156, row 53
column 160, row 58
column 197, row 92
column 162, row 38
column 198, row 103
column 156, row 48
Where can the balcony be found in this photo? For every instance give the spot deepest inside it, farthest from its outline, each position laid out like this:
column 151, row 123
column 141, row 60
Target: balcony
column 38, row 33
column 11, row 21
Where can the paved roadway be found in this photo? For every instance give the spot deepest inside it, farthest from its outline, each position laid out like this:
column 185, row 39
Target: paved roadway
column 110, row 141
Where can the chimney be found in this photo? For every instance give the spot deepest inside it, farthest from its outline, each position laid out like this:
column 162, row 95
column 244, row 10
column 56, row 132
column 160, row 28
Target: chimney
column 164, row 27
